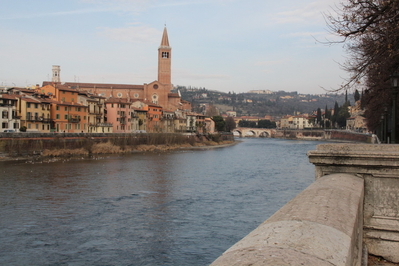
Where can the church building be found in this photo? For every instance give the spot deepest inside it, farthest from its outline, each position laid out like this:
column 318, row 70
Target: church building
column 157, row 92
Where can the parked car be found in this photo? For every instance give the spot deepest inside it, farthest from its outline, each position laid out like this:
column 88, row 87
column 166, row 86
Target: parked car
column 9, row 130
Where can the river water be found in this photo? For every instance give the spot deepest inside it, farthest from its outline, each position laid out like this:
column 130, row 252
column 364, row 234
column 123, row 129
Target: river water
column 172, row 208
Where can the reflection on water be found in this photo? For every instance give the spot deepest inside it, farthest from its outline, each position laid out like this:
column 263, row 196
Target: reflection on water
column 176, row 208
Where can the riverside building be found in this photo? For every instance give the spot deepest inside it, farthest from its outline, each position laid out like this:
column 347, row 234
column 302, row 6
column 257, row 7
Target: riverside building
column 77, row 107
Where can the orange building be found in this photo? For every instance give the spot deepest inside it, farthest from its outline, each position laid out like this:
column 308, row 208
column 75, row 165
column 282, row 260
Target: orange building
column 154, row 116
column 67, row 114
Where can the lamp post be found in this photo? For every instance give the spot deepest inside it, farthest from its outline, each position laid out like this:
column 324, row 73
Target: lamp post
column 395, row 87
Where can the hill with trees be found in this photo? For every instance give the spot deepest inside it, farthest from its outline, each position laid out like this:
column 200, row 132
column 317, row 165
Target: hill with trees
column 259, row 103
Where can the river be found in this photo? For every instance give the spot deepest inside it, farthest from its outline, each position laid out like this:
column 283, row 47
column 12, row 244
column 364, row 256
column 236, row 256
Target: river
column 172, row 208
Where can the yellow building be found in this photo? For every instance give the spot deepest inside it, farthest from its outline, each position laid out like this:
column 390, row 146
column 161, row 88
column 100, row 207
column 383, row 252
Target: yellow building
column 35, row 114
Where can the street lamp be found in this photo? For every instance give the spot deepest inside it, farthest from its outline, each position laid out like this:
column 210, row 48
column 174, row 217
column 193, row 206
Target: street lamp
column 395, row 87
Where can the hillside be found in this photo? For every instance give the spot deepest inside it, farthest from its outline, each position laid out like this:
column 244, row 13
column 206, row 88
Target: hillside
column 262, row 103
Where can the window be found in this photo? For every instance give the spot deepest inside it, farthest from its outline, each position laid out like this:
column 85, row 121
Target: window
column 57, row 108
column 65, row 116
column 66, row 108
column 165, row 54
column 4, row 125
column 57, row 116
column 4, row 114
column 63, row 99
column 36, row 105
column 28, row 105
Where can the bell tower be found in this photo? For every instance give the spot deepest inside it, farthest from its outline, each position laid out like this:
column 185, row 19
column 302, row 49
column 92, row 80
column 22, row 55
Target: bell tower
column 164, row 60
column 56, row 74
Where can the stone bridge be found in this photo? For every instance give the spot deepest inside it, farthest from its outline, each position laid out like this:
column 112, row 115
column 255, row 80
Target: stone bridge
column 255, row 132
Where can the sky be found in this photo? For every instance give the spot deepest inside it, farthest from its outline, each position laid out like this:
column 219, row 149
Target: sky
column 224, row 45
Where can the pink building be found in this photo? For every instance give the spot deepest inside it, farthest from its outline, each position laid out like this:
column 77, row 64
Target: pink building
column 118, row 113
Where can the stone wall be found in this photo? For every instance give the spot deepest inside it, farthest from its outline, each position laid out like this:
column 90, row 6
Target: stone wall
column 348, row 136
column 30, row 143
column 321, row 226
column 320, row 134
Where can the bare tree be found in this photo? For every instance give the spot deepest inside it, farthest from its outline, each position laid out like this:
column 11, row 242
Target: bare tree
column 370, row 31
column 211, row 111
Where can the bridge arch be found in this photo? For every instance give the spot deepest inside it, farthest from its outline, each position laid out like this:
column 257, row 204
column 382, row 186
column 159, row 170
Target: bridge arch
column 264, row 134
column 237, row 133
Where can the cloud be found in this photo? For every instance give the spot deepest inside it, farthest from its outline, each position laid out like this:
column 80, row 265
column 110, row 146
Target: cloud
column 132, row 34
column 309, row 13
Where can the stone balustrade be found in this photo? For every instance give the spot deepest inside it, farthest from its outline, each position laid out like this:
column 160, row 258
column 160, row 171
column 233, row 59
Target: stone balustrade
column 378, row 166
column 320, row 226
column 352, row 208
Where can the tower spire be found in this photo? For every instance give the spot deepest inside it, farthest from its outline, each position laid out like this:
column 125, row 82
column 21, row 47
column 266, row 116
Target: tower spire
column 165, row 39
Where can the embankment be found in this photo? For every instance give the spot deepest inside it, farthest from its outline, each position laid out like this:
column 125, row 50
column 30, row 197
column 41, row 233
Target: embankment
column 320, row 134
column 31, row 145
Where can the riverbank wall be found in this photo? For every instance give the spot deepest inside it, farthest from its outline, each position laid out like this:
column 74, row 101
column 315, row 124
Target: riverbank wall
column 320, row 134
column 61, row 144
column 349, row 212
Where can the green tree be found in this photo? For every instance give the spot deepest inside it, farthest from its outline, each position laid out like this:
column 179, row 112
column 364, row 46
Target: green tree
column 318, row 116
column 343, row 115
column 327, row 113
column 246, row 123
column 264, row 123
column 220, row 124
column 356, row 95
column 334, row 117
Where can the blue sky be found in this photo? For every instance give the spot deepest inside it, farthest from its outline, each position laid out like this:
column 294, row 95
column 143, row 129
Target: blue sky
column 225, row 45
